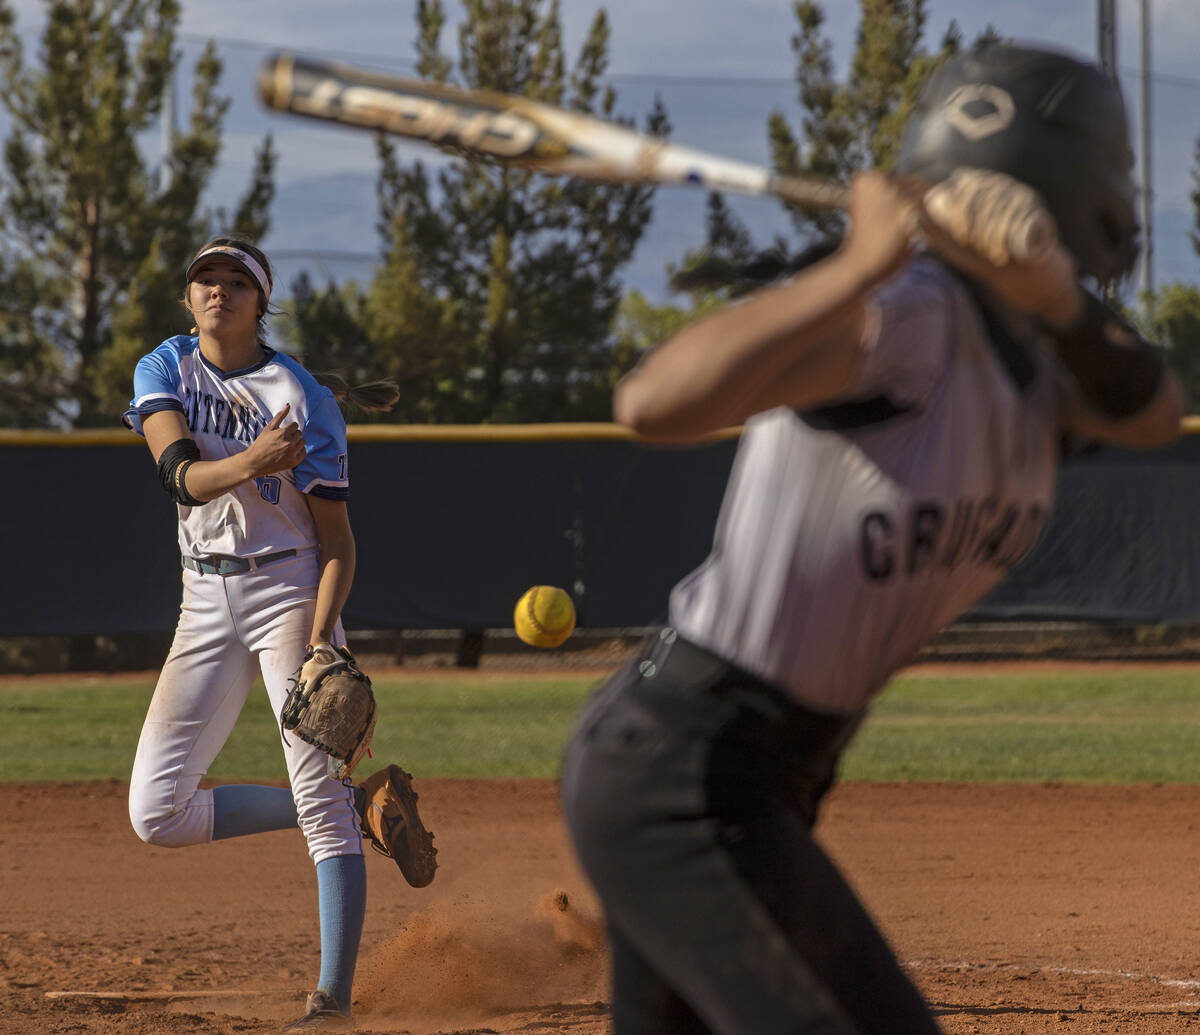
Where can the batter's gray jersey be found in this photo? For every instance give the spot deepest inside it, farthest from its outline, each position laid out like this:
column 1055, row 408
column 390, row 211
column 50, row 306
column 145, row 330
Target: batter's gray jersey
column 850, row 535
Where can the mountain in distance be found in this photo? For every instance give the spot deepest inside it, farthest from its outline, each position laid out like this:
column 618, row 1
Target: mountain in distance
column 325, row 225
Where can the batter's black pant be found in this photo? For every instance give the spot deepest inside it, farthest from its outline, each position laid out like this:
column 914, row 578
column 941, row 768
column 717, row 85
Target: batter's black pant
column 690, row 789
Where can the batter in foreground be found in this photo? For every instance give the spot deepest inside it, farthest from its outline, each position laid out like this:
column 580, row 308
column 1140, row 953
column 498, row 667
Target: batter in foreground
column 905, row 404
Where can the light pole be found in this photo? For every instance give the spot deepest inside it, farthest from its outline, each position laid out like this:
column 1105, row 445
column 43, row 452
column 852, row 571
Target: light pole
column 1106, row 25
column 1147, row 279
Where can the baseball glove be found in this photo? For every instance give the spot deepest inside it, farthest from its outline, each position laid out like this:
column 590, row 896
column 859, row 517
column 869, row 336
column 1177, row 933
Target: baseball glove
column 332, row 707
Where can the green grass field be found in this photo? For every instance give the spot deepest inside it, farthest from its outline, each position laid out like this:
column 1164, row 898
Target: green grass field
column 1116, row 726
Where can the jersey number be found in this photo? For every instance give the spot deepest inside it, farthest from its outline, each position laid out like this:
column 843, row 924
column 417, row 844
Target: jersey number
column 268, row 488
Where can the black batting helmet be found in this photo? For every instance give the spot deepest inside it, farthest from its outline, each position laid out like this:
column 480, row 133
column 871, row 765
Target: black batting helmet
column 1047, row 119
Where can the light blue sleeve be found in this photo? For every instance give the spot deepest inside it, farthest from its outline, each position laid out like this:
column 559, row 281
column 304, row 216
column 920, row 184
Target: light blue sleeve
column 155, row 386
column 324, row 472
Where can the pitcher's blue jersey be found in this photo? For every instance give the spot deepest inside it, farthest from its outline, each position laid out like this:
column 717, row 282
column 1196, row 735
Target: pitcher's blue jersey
column 225, row 411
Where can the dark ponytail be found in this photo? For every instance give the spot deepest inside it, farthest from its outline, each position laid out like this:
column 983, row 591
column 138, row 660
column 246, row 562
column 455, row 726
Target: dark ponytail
column 764, row 268
column 373, row 395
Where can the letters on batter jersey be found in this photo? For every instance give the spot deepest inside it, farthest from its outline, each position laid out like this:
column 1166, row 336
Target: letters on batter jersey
column 209, row 414
column 931, row 534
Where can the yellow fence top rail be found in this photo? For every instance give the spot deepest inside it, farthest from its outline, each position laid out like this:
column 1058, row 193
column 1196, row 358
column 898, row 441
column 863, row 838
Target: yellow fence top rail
column 565, row 432
column 578, row 432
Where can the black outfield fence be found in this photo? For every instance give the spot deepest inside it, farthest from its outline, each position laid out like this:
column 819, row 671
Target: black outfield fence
column 454, row 523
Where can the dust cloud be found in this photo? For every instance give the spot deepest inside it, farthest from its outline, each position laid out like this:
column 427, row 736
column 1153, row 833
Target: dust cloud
column 453, row 963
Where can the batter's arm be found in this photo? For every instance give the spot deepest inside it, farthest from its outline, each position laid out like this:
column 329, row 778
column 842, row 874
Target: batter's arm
column 279, row 447
column 1156, row 424
column 337, row 558
column 1115, row 385
column 792, row 345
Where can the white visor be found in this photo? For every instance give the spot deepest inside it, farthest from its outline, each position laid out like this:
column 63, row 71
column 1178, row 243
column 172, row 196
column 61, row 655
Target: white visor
column 243, row 259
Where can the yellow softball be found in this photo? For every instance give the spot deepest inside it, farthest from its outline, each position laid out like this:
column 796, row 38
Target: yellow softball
column 544, row 616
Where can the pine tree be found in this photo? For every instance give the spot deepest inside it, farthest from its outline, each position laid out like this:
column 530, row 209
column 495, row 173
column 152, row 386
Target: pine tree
column 855, row 124
column 94, row 244
column 846, row 126
column 1177, row 327
column 500, row 286
column 1195, row 197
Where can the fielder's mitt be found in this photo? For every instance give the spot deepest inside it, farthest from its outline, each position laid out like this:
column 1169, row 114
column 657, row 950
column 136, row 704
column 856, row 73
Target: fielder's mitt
column 332, row 707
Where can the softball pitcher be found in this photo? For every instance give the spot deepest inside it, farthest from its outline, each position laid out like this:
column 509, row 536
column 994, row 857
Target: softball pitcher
column 904, row 407
column 253, row 451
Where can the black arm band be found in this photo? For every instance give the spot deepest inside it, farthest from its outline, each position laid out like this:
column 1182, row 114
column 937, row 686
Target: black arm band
column 1116, row 370
column 173, row 464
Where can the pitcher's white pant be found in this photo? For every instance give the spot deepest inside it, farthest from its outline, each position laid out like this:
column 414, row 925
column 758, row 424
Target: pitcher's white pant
column 230, row 627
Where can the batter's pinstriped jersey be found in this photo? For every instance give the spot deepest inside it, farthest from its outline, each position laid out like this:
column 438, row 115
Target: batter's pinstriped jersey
column 225, row 412
column 887, row 515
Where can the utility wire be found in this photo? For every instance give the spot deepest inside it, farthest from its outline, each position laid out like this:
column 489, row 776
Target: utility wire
column 407, row 67
column 309, row 253
column 683, row 78
column 238, row 43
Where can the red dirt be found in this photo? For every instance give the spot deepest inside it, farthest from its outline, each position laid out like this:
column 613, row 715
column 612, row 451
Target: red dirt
column 1025, row 908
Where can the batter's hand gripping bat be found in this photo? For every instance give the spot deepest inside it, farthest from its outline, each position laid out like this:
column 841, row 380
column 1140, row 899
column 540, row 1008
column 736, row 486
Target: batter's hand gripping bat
column 529, row 134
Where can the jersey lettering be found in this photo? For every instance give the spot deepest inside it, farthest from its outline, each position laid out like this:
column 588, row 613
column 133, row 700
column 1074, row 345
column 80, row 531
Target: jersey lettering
column 268, row 487
column 879, row 558
column 978, row 531
column 207, row 402
column 956, row 538
column 209, row 415
column 926, row 526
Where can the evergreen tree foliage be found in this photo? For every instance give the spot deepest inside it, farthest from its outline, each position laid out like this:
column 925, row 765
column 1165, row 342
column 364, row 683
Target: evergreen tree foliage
column 846, row 125
column 497, row 295
column 94, row 241
column 856, row 123
column 1177, row 327
column 1195, row 197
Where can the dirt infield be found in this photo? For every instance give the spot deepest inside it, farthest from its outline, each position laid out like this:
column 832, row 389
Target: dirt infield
column 1026, row 908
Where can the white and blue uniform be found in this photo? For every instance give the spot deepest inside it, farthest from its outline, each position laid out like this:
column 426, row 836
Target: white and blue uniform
column 848, row 536
column 250, row 573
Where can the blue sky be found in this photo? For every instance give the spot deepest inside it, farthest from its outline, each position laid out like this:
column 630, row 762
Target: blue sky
column 720, row 66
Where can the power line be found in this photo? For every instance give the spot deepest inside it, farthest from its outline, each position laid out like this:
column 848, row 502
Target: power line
column 665, row 78
column 409, row 67
column 239, row 43
column 318, row 253
column 1166, row 77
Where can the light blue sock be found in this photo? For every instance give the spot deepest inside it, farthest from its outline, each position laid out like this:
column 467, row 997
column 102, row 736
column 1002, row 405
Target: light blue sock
column 342, row 894
column 250, row 808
